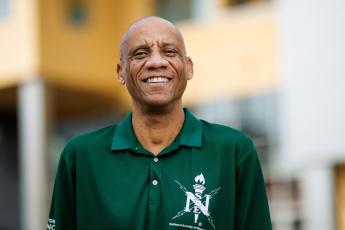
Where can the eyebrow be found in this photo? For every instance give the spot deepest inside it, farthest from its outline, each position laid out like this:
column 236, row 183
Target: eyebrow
column 173, row 45
column 142, row 46
column 146, row 45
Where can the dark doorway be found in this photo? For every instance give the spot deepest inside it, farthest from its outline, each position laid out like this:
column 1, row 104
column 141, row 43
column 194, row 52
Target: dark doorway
column 9, row 178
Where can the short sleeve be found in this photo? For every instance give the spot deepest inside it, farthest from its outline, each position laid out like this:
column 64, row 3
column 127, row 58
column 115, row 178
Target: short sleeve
column 252, row 210
column 62, row 214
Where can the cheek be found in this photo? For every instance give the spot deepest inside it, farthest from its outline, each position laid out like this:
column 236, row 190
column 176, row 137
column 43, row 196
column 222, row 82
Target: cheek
column 132, row 73
column 178, row 67
column 135, row 68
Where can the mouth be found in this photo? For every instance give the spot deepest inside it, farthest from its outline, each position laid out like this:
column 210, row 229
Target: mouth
column 157, row 79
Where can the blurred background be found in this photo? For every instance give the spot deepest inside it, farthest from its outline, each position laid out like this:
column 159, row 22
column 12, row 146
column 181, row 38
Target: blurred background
column 274, row 69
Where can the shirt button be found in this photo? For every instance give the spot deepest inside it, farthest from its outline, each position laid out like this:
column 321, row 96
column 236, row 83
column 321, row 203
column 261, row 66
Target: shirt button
column 136, row 147
column 154, row 182
column 155, row 159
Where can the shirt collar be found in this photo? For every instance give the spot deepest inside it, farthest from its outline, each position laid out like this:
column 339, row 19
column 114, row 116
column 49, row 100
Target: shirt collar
column 190, row 134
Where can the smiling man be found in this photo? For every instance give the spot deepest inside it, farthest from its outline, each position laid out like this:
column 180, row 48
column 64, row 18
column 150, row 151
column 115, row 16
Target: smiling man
column 160, row 167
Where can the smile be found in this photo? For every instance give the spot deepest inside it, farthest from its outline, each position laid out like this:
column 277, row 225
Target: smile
column 157, row 79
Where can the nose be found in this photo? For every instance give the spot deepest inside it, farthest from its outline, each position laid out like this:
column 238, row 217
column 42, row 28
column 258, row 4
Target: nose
column 156, row 61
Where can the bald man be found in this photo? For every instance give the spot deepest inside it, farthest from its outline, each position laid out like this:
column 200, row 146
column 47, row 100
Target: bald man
column 160, row 167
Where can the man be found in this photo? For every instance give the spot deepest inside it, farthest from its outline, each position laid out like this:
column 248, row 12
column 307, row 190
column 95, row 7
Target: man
column 160, row 168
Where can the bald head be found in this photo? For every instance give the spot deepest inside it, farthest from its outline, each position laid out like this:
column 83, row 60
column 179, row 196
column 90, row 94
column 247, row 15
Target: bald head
column 149, row 22
column 153, row 64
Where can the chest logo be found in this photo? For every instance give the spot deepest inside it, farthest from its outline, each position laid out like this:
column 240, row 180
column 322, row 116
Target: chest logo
column 197, row 202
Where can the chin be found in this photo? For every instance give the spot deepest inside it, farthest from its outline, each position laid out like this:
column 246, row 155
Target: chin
column 157, row 99
column 159, row 103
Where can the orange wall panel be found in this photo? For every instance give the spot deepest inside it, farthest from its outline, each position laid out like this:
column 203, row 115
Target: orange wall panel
column 84, row 56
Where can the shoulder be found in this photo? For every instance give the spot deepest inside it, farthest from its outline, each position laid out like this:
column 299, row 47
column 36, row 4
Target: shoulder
column 228, row 138
column 94, row 137
column 227, row 134
column 87, row 140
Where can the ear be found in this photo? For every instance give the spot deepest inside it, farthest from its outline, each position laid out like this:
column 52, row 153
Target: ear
column 120, row 74
column 189, row 68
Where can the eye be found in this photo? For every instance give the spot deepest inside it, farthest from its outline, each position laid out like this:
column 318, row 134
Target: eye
column 170, row 52
column 141, row 53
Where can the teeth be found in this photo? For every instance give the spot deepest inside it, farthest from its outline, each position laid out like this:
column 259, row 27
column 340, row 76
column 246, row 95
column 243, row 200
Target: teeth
column 157, row 79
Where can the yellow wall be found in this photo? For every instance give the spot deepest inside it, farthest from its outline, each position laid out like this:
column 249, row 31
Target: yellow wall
column 19, row 43
column 84, row 57
column 234, row 55
column 37, row 40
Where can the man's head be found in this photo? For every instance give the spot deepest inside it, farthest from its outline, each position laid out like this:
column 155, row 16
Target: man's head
column 153, row 63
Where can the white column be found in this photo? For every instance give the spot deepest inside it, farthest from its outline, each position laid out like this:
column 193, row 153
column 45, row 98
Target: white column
column 318, row 198
column 311, row 38
column 312, row 35
column 32, row 115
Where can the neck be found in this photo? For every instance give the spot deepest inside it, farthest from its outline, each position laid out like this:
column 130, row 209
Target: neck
column 157, row 128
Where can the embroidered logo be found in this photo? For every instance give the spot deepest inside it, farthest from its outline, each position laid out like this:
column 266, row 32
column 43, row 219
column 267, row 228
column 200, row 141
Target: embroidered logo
column 51, row 224
column 197, row 202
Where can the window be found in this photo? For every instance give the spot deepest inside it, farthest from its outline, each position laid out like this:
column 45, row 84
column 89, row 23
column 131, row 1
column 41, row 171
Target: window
column 256, row 115
column 77, row 12
column 4, row 9
column 175, row 10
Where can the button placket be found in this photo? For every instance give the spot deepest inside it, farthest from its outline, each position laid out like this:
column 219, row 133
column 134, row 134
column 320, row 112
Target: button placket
column 155, row 183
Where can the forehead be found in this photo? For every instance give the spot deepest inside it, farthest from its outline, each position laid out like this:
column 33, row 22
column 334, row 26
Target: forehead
column 153, row 31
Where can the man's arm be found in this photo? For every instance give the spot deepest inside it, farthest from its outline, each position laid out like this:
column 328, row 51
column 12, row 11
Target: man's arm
column 252, row 211
column 62, row 210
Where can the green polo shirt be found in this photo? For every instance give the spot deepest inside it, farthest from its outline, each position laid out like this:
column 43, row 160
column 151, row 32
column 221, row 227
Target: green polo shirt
column 209, row 177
